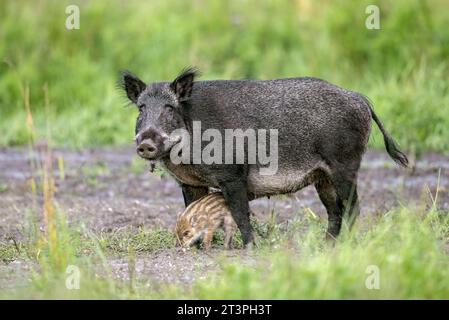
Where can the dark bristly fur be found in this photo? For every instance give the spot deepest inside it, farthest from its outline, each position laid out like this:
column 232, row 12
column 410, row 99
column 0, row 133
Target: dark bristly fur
column 323, row 133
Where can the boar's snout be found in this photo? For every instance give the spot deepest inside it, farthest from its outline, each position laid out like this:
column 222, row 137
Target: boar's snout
column 146, row 149
column 152, row 144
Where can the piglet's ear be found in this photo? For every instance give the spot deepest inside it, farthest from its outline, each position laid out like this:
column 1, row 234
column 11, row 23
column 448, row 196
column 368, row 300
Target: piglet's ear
column 132, row 85
column 183, row 84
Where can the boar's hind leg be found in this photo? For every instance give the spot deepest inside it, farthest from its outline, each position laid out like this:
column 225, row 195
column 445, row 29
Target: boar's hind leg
column 345, row 184
column 236, row 197
column 328, row 197
column 191, row 193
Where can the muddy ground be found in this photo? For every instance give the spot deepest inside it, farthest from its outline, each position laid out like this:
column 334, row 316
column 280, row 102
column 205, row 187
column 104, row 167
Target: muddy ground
column 110, row 189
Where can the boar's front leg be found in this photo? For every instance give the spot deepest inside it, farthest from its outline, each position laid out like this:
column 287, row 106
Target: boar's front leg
column 191, row 193
column 236, row 197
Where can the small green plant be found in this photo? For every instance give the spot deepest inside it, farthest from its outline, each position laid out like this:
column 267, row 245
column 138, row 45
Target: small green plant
column 3, row 187
column 9, row 251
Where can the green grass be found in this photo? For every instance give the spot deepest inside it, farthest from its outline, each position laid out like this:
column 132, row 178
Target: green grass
column 409, row 248
column 8, row 252
column 401, row 67
column 141, row 241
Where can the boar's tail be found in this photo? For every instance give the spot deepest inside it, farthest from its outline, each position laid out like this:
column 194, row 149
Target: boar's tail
column 392, row 147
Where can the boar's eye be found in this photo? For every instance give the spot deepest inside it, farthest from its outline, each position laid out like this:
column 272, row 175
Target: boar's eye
column 168, row 112
column 141, row 107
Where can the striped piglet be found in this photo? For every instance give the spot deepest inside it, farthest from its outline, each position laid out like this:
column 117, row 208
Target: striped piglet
column 201, row 218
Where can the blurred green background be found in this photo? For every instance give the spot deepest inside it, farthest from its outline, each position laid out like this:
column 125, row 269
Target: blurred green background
column 71, row 75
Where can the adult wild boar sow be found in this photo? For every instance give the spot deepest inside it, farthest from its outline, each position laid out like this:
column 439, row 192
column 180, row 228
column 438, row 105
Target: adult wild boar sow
column 322, row 130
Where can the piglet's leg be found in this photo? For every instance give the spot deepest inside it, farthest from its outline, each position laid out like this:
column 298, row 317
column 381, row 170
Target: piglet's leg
column 207, row 240
column 229, row 228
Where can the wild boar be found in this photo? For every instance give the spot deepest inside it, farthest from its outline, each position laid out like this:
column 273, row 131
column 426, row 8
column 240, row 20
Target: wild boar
column 322, row 133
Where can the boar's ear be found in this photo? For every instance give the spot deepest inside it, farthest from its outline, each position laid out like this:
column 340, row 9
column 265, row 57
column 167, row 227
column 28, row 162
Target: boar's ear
column 132, row 85
column 183, row 84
